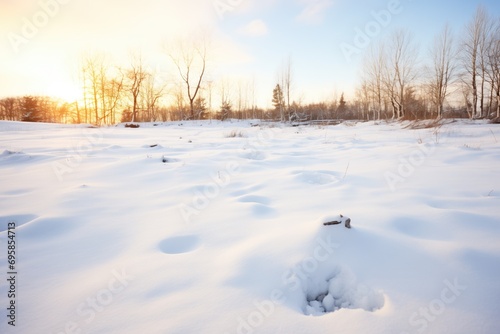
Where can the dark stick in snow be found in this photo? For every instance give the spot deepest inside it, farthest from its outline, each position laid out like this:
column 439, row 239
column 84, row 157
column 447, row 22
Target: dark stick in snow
column 347, row 222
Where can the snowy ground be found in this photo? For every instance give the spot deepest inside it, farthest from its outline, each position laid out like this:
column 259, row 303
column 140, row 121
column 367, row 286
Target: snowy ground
column 217, row 228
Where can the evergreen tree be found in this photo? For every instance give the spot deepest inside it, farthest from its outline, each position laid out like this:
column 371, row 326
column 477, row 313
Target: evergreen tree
column 200, row 108
column 279, row 101
column 30, row 109
column 225, row 110
column 342, row 107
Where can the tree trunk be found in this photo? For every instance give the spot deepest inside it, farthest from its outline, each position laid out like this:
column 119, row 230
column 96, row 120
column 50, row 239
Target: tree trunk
column 482, row 114
column 191, row 108
column 498, row 100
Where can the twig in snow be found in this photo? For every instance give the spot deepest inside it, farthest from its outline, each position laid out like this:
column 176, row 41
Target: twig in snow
column 347, row 168
column 496, row 141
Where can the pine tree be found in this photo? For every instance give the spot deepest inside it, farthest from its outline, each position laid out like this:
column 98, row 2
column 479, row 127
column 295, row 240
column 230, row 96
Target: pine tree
column 225, row 110
column 200, row 108
column 30, row 109
column 342, row 107
column 279, row 101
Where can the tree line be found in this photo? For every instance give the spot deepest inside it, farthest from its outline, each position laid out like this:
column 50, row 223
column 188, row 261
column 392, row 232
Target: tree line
column 395, row 84
column 36, row 109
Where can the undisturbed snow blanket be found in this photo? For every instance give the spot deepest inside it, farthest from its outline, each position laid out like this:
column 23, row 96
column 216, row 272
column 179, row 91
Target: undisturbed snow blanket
column 217, row 227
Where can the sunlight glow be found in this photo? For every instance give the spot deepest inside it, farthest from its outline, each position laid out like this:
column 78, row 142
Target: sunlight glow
column 67, row 92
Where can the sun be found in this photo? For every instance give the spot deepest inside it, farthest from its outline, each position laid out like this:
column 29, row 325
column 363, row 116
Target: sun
column 68, row 92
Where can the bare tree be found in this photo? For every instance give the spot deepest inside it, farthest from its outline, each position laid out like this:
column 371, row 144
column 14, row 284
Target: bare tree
column 190, row 59
column 135, row 75
column 443, row 69
column 494, row 65
column 285, row 81
column 240, row 99
column 491, row 66
column 180, row 102
column 8, row 109
column 113, row 98
column 484, row 50
column 374, row 69
column 400, row 72
column 473, row 56
column 287, row 84
column 152, row 93
column 210, row 86
column 253, row 95
column 102, row 87
column 363, row 99
column 93, row 76
column 466, row 92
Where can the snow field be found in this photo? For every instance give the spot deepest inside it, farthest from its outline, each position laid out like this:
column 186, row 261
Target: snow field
column 227, row 235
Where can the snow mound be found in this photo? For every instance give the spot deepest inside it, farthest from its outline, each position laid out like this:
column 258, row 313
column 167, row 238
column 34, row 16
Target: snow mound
column 337, row 291
column 255, row 155
column 19, row 219
column 255, row 199
column 180, row 245
column 260, row 206
column 9, row 152
column 13, row 155
column 317, row 177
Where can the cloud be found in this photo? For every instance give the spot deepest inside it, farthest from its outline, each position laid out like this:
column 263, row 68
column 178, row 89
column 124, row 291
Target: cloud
column 255, row 28
column 314, row 11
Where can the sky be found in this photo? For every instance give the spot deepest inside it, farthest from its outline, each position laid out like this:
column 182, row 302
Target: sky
column 42, row 41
